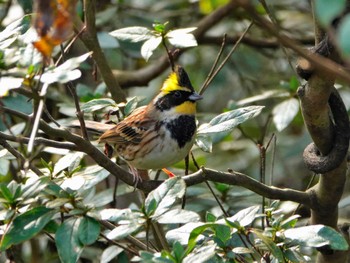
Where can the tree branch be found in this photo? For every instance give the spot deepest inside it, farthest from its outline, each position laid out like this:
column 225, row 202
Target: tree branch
column 233, row 178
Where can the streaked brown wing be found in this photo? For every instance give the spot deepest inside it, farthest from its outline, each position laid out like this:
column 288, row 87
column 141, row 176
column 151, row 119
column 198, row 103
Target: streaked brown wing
column 130, row 130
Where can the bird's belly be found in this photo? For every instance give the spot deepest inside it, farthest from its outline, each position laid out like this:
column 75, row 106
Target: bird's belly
column 165, row 153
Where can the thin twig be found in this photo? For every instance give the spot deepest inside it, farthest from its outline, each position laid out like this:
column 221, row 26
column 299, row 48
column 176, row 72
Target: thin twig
column 211, row 72
column 19, row 156
column 226, row 58
column 37, row 117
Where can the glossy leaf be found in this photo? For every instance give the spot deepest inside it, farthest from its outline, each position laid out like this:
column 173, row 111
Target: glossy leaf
column 89, row 230
column 110, row 253
column 182, row 233
column 182, row 38
column 202, row 254
column 284, row 113
column 205, row 143
column 67, row 240
column 71, row 159
column 97, row 104
column 133, row 34
column 245, row 217
column 178, row 216
column 164, row 196
column 130, row 106
column 272, row 247
column 65, row 72
column 26, row 226
column 149, row 46
column 317, row 236
column 229, row 120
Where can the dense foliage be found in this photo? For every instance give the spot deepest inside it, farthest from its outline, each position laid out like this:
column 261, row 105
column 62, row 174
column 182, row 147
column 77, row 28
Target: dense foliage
column 245, row 194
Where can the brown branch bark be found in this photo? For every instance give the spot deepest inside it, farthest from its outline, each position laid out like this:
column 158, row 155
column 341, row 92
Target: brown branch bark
column 232, row 178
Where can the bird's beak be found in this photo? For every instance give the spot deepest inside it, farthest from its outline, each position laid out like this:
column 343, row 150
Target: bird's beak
column 195, row 96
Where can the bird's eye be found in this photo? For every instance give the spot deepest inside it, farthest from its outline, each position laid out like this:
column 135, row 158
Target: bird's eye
column 177, row 94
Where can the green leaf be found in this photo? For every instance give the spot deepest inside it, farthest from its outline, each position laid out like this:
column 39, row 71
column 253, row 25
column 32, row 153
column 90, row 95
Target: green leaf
column 6, row 193
column 178, row 216
column 65, row 72
column 205, row 143
column 210, row 218
column 178, row 251
column 317, row 236
column 202, row 254
column 284, row 113
column 290, row 222
column 92, row 175
column 326, row 11
column 67, row 240
column 223, row 234
column 133, row 34
column 110, row 253
column 182, row 38
column 97, row 104
column 242, row 250
column 130, row 106
column 26, row 226
column 71, row 159
column 272, row 247
column 164, row 196
column 124, row 230
column 245, row 217
column 147, row 257
column 89, row 230
column 197, row 232
column 294, row 83
column 182, row 233
column 343, row 36
column 149, row 46
column 229, row 120
column 129, row 221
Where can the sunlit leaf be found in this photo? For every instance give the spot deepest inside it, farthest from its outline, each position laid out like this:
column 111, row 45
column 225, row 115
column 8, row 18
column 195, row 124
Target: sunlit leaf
column 26, row 226
column 205, row 143
column 97, row 104
column 284, row 113
column 182, row 233
column 182, row 38
column 164, row 196
column 65, row 72
column 229, row 120
column 245, row 217
column 69, row 159
column 202, row 254
column 149, row 46
column 130, row 106
column 178, row 216
column 272, row 247
column 317, row 236
column 110, row 253
column 133, row 34
column 8, row 83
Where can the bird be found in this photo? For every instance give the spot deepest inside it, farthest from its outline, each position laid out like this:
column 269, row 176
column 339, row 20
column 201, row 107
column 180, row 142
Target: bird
column 161, row 133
